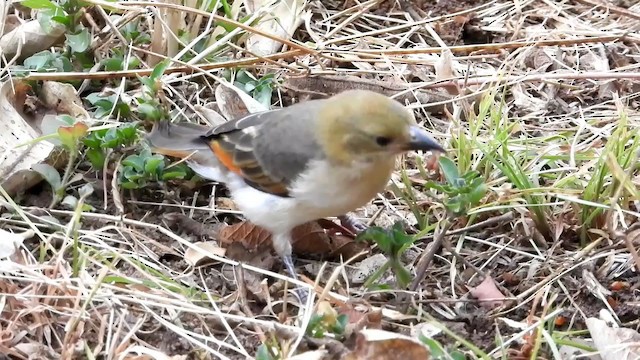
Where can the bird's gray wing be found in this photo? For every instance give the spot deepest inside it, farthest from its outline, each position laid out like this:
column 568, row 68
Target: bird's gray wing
column 268, row 149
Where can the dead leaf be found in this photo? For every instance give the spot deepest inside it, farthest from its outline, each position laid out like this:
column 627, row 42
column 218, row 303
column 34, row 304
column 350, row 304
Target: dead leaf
column 445, row 71
column 360, row 316
column 308, row 238
column 322, row 86
column 29, row 38
column 225, row 203
column 11, row 22
column 200, row 252
column 250, row 236
column 12, row 241
column 213, row 117
column 488, row 293
column 235, row 103
column 64, row 99
column 373, row 344
column 18, row 151
column 537, row 59
column 282, row 19
column 230, row 103
column 614, row 343
column 366, row 268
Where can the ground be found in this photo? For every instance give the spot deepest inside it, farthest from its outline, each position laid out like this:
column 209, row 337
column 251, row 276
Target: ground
column 537, row 100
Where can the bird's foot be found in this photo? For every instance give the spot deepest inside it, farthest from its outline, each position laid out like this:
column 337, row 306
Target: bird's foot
column 288, row 263
column 352, row 224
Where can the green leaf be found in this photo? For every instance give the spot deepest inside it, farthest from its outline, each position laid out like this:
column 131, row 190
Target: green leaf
column 435, row 348
column 449, row 169
column 39, row 4
column 127, row 133
column 149, row 83
column 50, row 175
column 150, row 112
column 135, row 161
column 67, row 119
column 243, row 77
column 97, row 157
column 172, row 175
column 402, row 275
column 341, row 325
column 111, row 139
column 263, row 353
column 80, row 41
column 113, row 64
column 130, row 185
column 38, row 61
column 263, row 95
column 94, row 139
column 154, row 164
column 379, row 235
column 159, row 69
column 477, row 193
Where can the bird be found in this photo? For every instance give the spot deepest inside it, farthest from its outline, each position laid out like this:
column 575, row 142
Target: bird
column 314, row 159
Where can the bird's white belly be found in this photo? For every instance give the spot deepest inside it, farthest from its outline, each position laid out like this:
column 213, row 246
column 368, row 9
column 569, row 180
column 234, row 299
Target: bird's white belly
column 321, row 192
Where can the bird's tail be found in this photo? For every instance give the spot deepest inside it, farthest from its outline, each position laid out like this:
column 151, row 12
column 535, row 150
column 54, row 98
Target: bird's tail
column 184, row 141
column 177, row 140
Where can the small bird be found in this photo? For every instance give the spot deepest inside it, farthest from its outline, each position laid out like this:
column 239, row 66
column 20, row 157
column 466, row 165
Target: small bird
column 312, row 160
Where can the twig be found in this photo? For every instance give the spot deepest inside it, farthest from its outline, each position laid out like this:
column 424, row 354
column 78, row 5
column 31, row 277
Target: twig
column 481, row 225
column 424, row 262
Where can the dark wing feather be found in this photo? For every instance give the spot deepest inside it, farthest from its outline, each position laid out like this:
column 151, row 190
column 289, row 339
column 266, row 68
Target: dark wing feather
column 268, row 149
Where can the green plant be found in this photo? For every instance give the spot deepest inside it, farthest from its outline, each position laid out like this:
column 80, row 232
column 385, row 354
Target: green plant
column 393, row 243
column 46, row 60
column 461, row 191
column 149, row 106
column 260, row 89
column 609, row 180
column 263, row 353
column 140, row 169
column 108, row 104
column 100, row 142
column 321, row 324
column 77, row 37
column 70, row 137
column 440, row 352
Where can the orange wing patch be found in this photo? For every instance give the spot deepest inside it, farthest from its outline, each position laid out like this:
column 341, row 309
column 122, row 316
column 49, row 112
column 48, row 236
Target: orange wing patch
column 225, row 158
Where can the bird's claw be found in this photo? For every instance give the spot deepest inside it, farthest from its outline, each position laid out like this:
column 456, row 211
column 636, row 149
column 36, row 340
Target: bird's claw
column 288, row 263
column 352, row 224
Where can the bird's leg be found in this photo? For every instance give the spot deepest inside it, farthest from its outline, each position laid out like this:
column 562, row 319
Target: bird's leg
column 282, row 245
column 354, row 225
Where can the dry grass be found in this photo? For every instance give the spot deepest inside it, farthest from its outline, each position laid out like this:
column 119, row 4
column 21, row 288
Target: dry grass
column 544, row 105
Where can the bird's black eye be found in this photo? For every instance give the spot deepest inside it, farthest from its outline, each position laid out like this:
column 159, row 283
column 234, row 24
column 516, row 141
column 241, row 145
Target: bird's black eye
column 383, row 140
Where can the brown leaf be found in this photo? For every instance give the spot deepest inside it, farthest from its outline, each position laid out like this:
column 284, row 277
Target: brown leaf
column 250, row 236
column 487, row 292
column 62, row 98
column 381, row 345
column 196, row 257
column 29, row 38
column 15, row 131
column 538, row 59
column 360, row 316
column 308, row 238
column 233, row 103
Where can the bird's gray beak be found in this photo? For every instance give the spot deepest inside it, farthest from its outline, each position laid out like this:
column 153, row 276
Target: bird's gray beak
column 421, row 140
